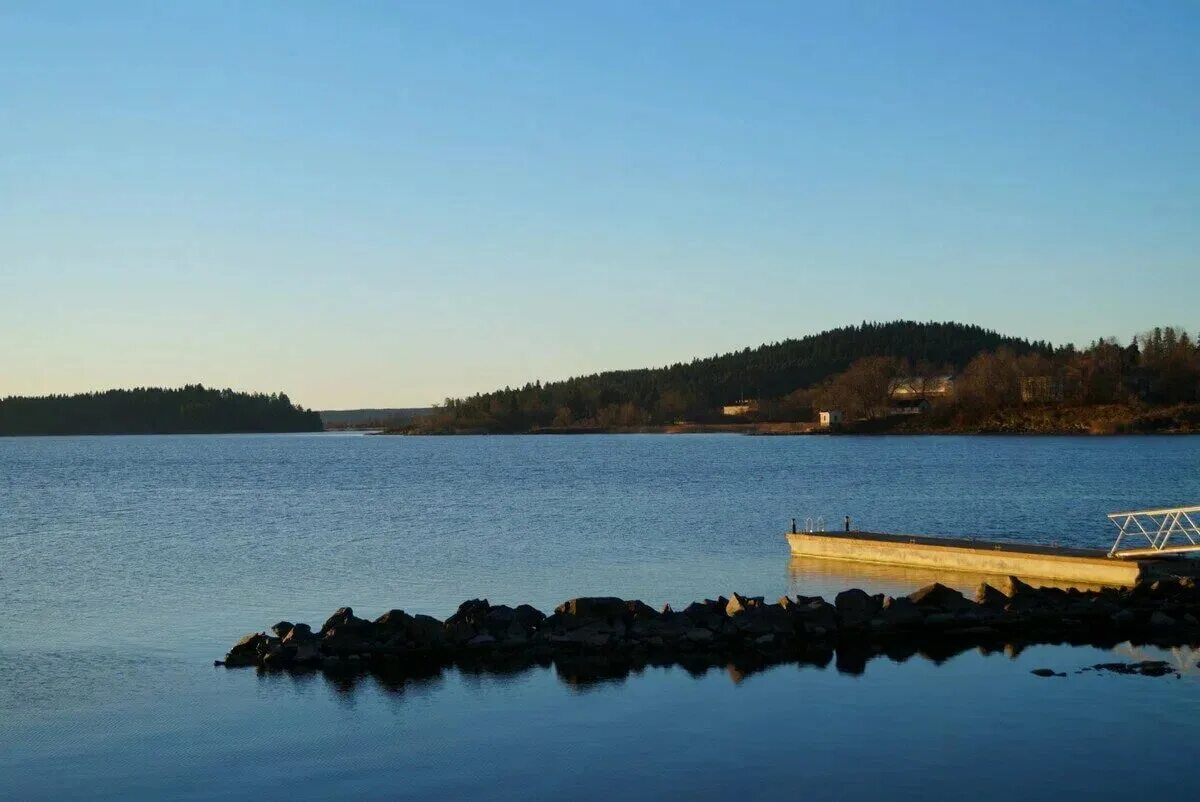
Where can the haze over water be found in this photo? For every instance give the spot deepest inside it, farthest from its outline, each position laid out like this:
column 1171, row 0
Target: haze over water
column 131, row 563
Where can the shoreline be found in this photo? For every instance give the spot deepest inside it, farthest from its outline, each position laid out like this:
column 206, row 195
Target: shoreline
column 753, row 430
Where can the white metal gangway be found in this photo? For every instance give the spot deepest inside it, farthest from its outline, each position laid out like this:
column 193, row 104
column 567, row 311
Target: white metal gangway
column 1158, row 527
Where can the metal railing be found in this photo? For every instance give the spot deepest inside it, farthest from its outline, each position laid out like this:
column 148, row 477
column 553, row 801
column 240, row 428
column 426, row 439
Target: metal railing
column 1158, row 527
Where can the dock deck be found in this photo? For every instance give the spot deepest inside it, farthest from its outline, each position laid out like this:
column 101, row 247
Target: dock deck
column 1092, row 566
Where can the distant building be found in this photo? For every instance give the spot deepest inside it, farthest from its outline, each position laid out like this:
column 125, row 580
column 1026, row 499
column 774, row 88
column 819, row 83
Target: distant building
column 739, row 408
column 829, row 418
column 922, row 387
column 909, row 406
column 1041, row 389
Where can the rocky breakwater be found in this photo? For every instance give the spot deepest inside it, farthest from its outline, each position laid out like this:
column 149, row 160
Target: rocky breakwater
column 934, row 619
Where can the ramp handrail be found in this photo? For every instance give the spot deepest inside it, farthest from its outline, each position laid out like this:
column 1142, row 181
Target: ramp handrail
column 1158, row 527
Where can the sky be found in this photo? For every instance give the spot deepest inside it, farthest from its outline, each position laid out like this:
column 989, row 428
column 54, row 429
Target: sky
column 385, row 204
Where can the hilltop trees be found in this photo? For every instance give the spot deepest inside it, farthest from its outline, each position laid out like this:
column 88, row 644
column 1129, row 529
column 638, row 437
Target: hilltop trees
column 154, row 410
column 855, row 369
column 696, row 390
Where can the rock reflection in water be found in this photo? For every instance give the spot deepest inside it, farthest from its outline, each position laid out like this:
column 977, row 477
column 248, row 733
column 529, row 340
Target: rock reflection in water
column 583, row 671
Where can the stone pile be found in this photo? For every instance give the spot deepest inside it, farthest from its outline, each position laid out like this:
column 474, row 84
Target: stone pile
column 1166, row 611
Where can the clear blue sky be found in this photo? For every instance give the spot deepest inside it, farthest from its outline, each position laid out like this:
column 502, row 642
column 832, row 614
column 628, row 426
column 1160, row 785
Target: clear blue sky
column 387, row 203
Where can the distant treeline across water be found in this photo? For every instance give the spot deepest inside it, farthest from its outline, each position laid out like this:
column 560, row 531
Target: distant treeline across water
column 155, row 410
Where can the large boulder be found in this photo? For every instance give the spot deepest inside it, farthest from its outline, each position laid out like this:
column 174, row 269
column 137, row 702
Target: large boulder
column 345, row 641
column 427, row 631
column 247, row 650
column 468, row 621
column 593, row 607
column 816, row 617
column 939, row 597
column 299, row 633
column 709, row 614
column 529, row 617
column 511, row 626
column 345, row 620
column 739, row 604
column 394, row 621
column 855, row 608
column 900, row 613
column 988, row 596
column 638, row 610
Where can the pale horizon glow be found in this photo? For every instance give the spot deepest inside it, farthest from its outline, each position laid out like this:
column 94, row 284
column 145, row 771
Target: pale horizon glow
column 384, row 206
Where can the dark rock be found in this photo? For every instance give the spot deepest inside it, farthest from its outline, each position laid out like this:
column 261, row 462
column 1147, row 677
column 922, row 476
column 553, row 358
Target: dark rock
column 988, row 596
column 468, row 621
column 740, row 604
column 344, row 619
column 901, row 612
column 1012, row 587
column 639, row 610
column 1124, row 618
column 940, row 620
column 247, row 650
column 1160, row 620
column 939, row 597
column 344, row 640
column 299, row 633
column 593, row 607
column 394, row 621
column 472, row 611
column 529, row 617
column 817, row 617
column 1046, row 672
column 708, row 613
column 426, row 631
column 282, row 628
column 855, row 608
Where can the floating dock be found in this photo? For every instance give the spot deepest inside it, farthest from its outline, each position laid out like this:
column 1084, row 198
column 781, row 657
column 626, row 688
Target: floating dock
column 1086, row 566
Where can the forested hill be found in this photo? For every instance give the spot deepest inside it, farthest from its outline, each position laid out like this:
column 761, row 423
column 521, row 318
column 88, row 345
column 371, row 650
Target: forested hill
column 694, row 389
column 155, row 410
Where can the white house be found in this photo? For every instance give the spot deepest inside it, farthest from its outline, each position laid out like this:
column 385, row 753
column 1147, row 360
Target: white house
column 829, row 418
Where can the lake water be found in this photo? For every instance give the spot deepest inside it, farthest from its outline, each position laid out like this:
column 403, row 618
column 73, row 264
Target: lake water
column 128, row 564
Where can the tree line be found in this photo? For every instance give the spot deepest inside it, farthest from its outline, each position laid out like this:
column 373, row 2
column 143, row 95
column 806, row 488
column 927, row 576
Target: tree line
column 696, row 390
column 1160, row 367
column 155, row 410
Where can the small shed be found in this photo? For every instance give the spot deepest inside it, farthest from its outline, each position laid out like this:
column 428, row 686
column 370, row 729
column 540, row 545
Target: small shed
column 829, row 418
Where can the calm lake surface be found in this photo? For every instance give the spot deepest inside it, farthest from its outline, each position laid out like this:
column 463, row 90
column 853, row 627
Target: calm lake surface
column 127, row 564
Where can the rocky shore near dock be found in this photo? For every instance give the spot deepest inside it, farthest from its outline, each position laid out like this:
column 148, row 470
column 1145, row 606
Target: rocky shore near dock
column 935, row 620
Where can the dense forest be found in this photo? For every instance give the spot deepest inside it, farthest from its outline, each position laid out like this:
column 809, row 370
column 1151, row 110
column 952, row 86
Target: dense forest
column 696, row 390
column 155, row 410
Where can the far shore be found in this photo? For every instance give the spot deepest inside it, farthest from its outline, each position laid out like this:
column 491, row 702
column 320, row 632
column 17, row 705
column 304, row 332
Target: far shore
column 1094, row 420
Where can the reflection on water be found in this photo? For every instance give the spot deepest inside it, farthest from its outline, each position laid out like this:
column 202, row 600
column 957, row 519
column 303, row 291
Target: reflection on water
column 894, row 580
column 1183, row 659
column 583, row 671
